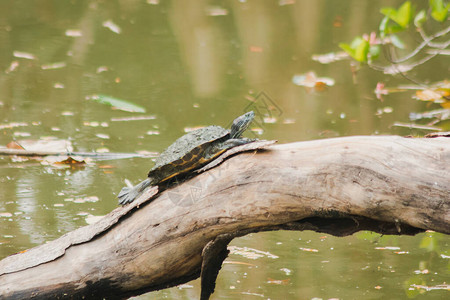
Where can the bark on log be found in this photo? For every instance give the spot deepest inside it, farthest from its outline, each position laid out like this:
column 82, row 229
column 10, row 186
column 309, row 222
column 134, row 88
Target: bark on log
column 387, row 184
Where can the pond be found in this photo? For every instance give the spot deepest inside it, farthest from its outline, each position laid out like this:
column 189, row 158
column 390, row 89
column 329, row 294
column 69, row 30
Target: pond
column 191, row 64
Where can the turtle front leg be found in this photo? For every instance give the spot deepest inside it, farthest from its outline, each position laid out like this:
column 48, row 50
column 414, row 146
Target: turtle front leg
column 235, row 142
column 128, row 194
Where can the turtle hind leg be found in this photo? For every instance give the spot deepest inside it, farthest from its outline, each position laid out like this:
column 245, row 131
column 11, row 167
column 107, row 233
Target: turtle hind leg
column 128, row 194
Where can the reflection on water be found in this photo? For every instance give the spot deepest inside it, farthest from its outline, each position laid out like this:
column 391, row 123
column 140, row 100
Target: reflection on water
column 26, row 196
column 194, row 63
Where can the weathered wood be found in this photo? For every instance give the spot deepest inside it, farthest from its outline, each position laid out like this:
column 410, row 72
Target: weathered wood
column 386, row 184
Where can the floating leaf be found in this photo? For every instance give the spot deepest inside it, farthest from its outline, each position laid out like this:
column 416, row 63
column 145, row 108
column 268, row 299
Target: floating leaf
column 12, row 67
column 65, row 161
column 428, row 95
column 83, row 200
column 215, row 11
column 74, row 32
column 438, row 95
column 102, row 136
column 22, row 134
column 26, row 55
column 12, row 125
column 330, row 57
column 133, row 118
column 46, row 144
column 117, row 103
column 14, row 145
column 256, row 49
column 278, row 281
column 387, row 248
column 53, row 66
column 112, row 26
column 152, row 132
column 310, row 80
column 308, row 249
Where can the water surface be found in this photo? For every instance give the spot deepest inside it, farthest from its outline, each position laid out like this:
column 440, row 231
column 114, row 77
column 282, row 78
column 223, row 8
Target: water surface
column 192, row 64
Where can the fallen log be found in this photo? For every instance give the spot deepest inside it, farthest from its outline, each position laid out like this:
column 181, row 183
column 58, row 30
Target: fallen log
column 387, row 184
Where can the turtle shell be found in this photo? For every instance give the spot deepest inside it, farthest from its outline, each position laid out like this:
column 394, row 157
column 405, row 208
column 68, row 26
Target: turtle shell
column 187, row 153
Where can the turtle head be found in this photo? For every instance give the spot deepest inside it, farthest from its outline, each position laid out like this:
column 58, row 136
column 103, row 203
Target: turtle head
column 240, row 124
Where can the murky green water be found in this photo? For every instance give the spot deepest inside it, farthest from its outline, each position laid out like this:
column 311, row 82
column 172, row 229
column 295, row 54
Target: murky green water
column 191, row 64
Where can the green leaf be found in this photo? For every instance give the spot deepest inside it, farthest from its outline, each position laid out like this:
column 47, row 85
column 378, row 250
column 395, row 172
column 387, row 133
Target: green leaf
column 420, row 18
column 374, row 51
column 402, row 16
column 439, row 10
column 118, row 103
column 361, row 51
column 397, row 42
column 347, row 48
column 356, row 42
column 388, row 11
column 383, row 26
column 386, row 28
column 358, row 49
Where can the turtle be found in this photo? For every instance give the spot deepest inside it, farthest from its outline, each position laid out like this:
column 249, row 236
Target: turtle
column 190, row 152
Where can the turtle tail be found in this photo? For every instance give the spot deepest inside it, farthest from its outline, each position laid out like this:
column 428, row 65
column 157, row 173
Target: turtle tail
column 128, row 194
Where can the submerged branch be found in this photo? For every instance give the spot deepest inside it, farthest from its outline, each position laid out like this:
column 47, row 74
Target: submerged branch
column 95, row 155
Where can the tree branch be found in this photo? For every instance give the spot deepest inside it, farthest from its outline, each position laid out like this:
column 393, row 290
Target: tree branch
column 386, row 184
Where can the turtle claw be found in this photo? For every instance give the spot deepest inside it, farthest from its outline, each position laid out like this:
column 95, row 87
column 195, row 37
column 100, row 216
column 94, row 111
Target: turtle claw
column 128, row 194
column 124, row 196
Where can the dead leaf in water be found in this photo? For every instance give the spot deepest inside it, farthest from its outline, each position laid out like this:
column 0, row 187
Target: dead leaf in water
column 256, row 49
column 308, row 249
column 74, row 32
column 330, row 57
column 430, row 95
column 112, row 26
column 71, row 161
column 312, row 82
column 13, row 125
column 14, row 145
column 278, row 281
column 46, row 144
column 117, row 103
column 26, row 55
